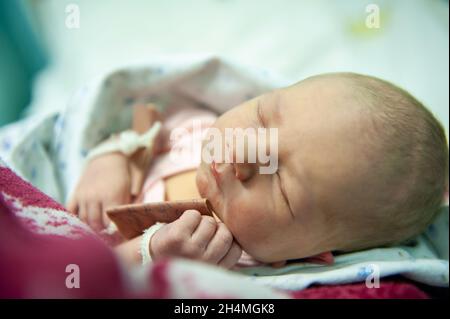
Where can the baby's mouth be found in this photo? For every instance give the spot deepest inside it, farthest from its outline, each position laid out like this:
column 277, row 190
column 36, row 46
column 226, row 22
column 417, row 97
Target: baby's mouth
column 215, row 173
column 213, row 211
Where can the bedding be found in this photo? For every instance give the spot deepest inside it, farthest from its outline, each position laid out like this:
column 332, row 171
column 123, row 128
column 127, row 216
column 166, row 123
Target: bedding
column 36, row 253
column 50, row 151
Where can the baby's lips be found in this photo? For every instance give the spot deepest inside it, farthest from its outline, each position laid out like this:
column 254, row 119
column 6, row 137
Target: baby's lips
column 215, row 172
column 222, row 170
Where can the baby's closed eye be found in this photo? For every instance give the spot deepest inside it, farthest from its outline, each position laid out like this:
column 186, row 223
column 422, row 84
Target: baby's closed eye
column 282, row 191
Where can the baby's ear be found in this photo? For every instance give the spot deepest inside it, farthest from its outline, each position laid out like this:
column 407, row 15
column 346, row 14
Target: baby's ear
column 325, row 258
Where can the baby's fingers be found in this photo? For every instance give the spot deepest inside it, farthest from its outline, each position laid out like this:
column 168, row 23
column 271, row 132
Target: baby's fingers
column 94, row 216
column 188, row 222
column 105, row 218
column 232, row 257
column 72, row 205
column 204, row 232
column 82, row 212
column 219, row 245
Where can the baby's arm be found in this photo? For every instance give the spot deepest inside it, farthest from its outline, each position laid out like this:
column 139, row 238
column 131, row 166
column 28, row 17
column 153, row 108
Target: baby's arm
column 105, row 182
column 192, row 236
column 113, row 178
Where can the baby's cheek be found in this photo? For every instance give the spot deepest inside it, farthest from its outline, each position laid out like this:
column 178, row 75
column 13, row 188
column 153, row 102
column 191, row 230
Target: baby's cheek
column 247, row 224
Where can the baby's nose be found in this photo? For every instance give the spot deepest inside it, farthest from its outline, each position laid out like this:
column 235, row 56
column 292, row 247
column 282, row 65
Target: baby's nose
column 244, row 171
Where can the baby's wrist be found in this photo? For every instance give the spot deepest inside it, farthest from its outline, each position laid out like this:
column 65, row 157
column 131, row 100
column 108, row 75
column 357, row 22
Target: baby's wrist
column 146, row 250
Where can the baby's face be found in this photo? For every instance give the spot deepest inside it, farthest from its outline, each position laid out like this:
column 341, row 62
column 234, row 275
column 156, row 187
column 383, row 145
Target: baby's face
column 286, row 215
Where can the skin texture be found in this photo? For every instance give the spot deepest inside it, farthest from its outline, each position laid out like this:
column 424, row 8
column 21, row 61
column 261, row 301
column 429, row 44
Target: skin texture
column 197, row 237
column 287, row 215
column 294, row 213
column 98, row 189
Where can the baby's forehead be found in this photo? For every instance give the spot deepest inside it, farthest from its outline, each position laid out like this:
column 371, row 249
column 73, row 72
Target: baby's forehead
column 314, row 122
column 306, row 106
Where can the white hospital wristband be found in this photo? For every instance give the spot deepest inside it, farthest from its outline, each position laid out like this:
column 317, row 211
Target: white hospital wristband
column 126, row 142
column 145, row 242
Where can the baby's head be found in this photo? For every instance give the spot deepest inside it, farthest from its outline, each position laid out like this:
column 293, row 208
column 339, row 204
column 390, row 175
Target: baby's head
column 361, row 163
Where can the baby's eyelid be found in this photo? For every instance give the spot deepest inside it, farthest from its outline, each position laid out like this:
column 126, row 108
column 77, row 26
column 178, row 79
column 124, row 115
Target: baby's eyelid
column 283, row 193
column 259, row 114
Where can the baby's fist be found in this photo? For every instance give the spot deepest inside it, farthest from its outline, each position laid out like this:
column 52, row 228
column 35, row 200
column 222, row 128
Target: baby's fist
column 196, row 237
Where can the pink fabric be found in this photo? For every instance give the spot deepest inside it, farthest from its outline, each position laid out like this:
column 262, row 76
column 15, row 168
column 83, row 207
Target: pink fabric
column 33, row 264
column 387, row 290
column 33, row 261
column 187, row 144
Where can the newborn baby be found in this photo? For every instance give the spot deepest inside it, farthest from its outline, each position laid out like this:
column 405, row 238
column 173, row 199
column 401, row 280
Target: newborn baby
column 361, row 164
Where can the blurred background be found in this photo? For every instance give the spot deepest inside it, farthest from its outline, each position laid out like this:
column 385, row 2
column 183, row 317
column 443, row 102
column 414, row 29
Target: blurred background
column 45, row 55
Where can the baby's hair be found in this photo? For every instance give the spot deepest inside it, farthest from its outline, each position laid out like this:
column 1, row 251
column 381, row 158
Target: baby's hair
column 409, row 153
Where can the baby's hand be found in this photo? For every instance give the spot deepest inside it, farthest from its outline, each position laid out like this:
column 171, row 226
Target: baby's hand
column 105, row 182
column 196, row 236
